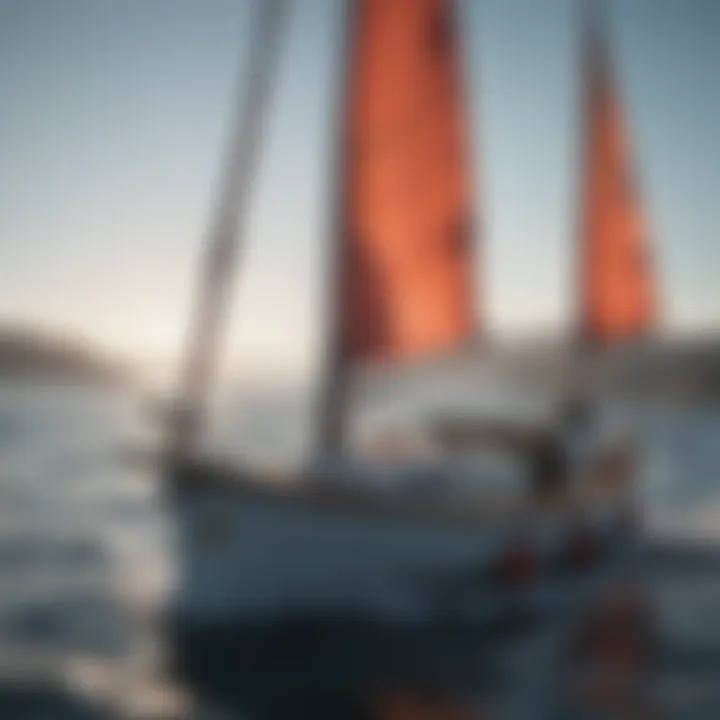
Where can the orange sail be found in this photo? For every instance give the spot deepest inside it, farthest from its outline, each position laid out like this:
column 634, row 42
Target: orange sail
column 407, row 281
column 617, row 286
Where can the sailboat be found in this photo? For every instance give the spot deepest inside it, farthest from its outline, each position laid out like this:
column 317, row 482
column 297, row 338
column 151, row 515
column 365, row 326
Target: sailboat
column 366, row 570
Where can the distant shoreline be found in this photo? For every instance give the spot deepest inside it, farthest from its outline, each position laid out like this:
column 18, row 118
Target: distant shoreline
column 32, row 355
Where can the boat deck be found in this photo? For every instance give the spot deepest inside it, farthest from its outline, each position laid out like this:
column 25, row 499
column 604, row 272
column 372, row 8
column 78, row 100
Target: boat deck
column 606, row 486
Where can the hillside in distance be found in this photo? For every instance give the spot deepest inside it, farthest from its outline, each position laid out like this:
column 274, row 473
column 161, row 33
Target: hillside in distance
column 30, row 354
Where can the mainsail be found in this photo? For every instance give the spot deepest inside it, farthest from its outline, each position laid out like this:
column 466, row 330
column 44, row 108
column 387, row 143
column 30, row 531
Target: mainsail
column 407, row 280
column 617, row 293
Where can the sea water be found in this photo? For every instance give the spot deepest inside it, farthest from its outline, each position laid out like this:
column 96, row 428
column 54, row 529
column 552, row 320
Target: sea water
column 86, row 543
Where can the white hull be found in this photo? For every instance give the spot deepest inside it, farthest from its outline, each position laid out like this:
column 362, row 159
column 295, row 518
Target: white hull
column 266, row 575
column 257, row 552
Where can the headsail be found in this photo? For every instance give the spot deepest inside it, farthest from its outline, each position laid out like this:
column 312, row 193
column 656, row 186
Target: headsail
column 407, row 287
column 617, row 291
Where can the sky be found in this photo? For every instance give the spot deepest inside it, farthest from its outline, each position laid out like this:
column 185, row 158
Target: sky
column 114, row 115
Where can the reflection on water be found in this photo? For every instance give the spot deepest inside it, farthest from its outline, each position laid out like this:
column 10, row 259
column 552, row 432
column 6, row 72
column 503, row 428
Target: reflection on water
column 85, row 547
column 679, row 480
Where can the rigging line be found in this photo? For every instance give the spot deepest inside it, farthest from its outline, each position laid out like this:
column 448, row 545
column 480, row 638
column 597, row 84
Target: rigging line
column 225, row 237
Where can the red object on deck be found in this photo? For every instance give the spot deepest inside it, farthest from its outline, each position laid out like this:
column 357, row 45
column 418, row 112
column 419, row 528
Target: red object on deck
column 517, row 566
column 583, row 550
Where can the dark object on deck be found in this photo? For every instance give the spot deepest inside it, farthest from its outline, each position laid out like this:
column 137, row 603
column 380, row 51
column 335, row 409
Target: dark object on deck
column 549, row 464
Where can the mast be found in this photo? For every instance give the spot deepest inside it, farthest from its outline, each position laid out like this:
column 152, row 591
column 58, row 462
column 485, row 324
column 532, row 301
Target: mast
column 225, row 239
column 334, row 391
column 590, row 50
column 587, row 22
